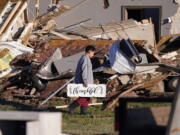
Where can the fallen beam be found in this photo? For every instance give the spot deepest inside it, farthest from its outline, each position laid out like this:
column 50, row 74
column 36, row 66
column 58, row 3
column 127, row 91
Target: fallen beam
column 65, row 106
column 60, row 35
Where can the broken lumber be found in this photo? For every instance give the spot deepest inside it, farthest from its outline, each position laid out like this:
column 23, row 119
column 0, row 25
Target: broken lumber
column 60, row 35
column 25, row 35
column 43, row 19
column 165, row 39
column 10, row 16
column 146, row 84
column 8, row 31
column 37, row 7
column 65, row 106
column 24, row 96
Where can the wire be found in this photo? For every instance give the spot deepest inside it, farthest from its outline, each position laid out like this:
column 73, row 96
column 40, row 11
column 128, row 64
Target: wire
column 74, row 7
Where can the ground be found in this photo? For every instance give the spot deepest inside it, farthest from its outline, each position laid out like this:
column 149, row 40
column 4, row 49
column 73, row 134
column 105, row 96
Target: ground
column 99, row 122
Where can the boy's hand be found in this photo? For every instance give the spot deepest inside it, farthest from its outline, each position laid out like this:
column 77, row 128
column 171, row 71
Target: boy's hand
column 85, row 85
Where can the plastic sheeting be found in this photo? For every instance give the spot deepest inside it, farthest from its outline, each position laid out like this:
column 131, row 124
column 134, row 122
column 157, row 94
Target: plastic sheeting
column 119, row 61
column 68, row 64
column 13, row 49
column 16, row 48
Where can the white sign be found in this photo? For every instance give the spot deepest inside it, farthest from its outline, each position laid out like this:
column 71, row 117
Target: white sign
column 93, row 90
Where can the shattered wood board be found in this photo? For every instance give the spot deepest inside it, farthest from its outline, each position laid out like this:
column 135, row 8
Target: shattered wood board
column 13, row 7
column 26, row 34
column 4, row 2
column 115, row 98
column 16, row 21
column 165, row 39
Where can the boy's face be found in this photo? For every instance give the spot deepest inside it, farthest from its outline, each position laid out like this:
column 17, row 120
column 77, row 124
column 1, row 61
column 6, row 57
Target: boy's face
column 91, row 54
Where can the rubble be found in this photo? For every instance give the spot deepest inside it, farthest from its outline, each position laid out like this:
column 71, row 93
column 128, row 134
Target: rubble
column 8, row 51
column 13, row 20
column 43, row 59
column 53, row 12
column 118, row 59
column 145, row 84
column 119, row 30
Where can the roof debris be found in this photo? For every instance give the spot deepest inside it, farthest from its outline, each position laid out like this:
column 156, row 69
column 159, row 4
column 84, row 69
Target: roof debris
column 37, row 58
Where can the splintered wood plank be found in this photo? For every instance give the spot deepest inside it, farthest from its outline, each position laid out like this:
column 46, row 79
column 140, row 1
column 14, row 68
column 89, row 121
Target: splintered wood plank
column 165, row 39
column 14, row 19
column 3, row 3
column 146, row 84
column 7, row 21
column 8, row 5
column 26, row 34
column 26, row 16
column 37, row 7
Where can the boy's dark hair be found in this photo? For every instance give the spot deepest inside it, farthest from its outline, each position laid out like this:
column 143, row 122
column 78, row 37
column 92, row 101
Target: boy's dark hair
column 90, row 48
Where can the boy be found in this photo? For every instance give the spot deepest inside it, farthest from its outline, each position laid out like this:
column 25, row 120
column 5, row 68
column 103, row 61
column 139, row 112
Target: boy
column 83, row 75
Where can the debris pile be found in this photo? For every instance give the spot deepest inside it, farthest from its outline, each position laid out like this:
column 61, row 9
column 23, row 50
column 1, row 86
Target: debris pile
column 44, row 58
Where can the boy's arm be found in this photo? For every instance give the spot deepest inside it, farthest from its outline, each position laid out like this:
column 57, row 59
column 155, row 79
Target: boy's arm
column 85, row 71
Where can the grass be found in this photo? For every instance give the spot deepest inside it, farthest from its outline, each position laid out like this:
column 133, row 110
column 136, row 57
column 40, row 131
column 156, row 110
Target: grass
column 7, row 108
column 89, row 126
column 99, row 122
column 147, row 105
column 56, row 103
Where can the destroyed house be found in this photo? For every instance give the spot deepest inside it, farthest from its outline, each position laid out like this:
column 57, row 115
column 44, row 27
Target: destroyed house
column 103, row 12
column 100, row 12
